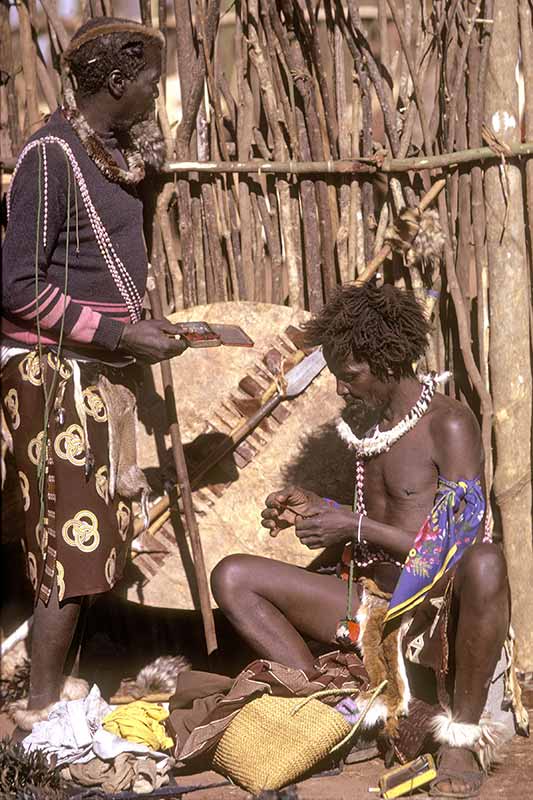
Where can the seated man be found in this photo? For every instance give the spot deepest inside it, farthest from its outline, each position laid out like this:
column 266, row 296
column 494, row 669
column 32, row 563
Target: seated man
column 418, row 499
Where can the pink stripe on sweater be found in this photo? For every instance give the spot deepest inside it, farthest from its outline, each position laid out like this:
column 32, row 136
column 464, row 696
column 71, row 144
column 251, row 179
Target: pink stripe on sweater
column 110, row 306
column 56, row 313
column 23, row 336
column 110, row 312
column 41, row 306
column 85, row 327
column 33, row 302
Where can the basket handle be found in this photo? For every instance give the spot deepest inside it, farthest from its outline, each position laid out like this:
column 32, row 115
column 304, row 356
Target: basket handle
column 343, row 692
column 364, row 712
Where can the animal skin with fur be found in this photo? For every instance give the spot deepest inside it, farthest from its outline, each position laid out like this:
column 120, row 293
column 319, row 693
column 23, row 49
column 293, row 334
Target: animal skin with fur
column 383, row 660
column 485, row 739
column 160, row 676
column 72, row 689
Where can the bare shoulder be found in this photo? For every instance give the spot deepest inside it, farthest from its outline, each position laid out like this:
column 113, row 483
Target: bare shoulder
column 456, row 436
column 452, row 419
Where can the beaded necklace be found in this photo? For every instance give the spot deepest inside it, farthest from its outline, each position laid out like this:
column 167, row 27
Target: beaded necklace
column 374, row 443
column 121, row 277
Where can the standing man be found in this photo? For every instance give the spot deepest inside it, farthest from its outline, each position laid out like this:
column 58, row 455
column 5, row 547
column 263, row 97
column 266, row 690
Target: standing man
column 74, row 276
column 414, row 535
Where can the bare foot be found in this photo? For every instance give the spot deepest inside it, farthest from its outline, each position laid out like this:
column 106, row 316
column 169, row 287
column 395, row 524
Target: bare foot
column 459, row 774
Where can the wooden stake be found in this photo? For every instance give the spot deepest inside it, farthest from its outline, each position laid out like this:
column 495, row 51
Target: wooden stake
column 29, row 67
column 510, row 352
column 184, row 484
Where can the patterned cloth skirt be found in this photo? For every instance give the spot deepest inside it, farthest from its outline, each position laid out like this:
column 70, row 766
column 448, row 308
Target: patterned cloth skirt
column 76, row 534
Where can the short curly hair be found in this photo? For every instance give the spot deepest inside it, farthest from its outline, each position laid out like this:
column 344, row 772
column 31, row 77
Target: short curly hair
column 384, row 326
column 97, row 55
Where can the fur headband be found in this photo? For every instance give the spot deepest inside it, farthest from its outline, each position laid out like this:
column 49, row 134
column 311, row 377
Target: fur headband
column 112, row 27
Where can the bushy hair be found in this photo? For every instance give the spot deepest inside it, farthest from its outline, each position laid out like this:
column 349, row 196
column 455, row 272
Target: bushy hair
column 91, row 62
column 385, row 326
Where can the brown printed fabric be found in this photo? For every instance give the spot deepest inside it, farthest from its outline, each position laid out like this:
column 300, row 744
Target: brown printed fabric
column 83, row 538
column 426, row 641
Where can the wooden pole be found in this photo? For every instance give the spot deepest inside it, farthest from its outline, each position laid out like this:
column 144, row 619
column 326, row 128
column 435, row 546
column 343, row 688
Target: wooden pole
column 353, row 166
column 510, row 354
column 29, row 68
column 184, row 483
column 475, row 91
column 9, row 121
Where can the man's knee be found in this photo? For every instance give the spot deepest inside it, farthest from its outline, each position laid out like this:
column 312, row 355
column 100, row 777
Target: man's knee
column 483, row 571
column 229, row 578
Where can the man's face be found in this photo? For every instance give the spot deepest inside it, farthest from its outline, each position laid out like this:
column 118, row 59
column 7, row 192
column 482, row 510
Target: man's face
column 363, row 393
column 138, row 100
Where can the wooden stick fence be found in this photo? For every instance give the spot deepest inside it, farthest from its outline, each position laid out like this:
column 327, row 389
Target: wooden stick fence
column 302, row 140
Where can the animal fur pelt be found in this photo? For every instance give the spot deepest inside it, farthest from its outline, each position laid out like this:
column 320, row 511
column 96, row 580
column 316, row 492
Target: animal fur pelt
column 72, row 689
column 383, row 660
column 417, row 234
column 485, row 739
column 158, row 677
column 125, row 476
column 147, row 139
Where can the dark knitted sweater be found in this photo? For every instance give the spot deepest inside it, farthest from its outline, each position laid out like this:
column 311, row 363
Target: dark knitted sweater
column 94, row 310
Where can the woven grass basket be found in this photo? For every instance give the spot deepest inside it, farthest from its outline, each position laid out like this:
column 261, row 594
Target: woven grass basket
column 274, row 741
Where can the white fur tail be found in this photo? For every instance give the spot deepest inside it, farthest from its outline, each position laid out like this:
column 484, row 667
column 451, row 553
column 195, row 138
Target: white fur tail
column 160, row 676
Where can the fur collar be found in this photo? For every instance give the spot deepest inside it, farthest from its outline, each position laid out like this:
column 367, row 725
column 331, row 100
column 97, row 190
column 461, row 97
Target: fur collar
column 143, row 144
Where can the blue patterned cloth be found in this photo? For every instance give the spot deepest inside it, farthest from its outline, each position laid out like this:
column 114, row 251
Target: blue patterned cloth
column 449, row 529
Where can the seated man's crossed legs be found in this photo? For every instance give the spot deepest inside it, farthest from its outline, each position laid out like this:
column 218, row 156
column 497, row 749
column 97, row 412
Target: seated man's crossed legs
column 273, row 606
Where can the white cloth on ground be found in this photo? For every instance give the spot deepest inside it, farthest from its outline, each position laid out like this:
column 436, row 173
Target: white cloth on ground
column 73, row 733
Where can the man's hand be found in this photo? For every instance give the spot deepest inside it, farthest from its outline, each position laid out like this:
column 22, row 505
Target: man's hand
column 283, row 508
column 333, row 524
column 152, row 340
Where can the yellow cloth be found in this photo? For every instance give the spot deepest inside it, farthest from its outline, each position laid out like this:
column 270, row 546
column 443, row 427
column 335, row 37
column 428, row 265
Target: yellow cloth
column 140, row 722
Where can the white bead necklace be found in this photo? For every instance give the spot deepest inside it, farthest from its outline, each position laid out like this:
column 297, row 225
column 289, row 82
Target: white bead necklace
column 380, row 442
column 376, row 441
column 121, row 277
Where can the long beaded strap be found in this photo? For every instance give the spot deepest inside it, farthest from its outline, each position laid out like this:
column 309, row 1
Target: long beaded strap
column 121, row 277
column 363, row 553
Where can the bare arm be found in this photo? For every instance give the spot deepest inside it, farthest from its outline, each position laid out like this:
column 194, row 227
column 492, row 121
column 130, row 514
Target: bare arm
column 336, row 525
column 323, row 523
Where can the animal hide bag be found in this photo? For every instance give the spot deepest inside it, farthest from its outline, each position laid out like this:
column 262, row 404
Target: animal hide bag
column 383, row 660
column 125, row 476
